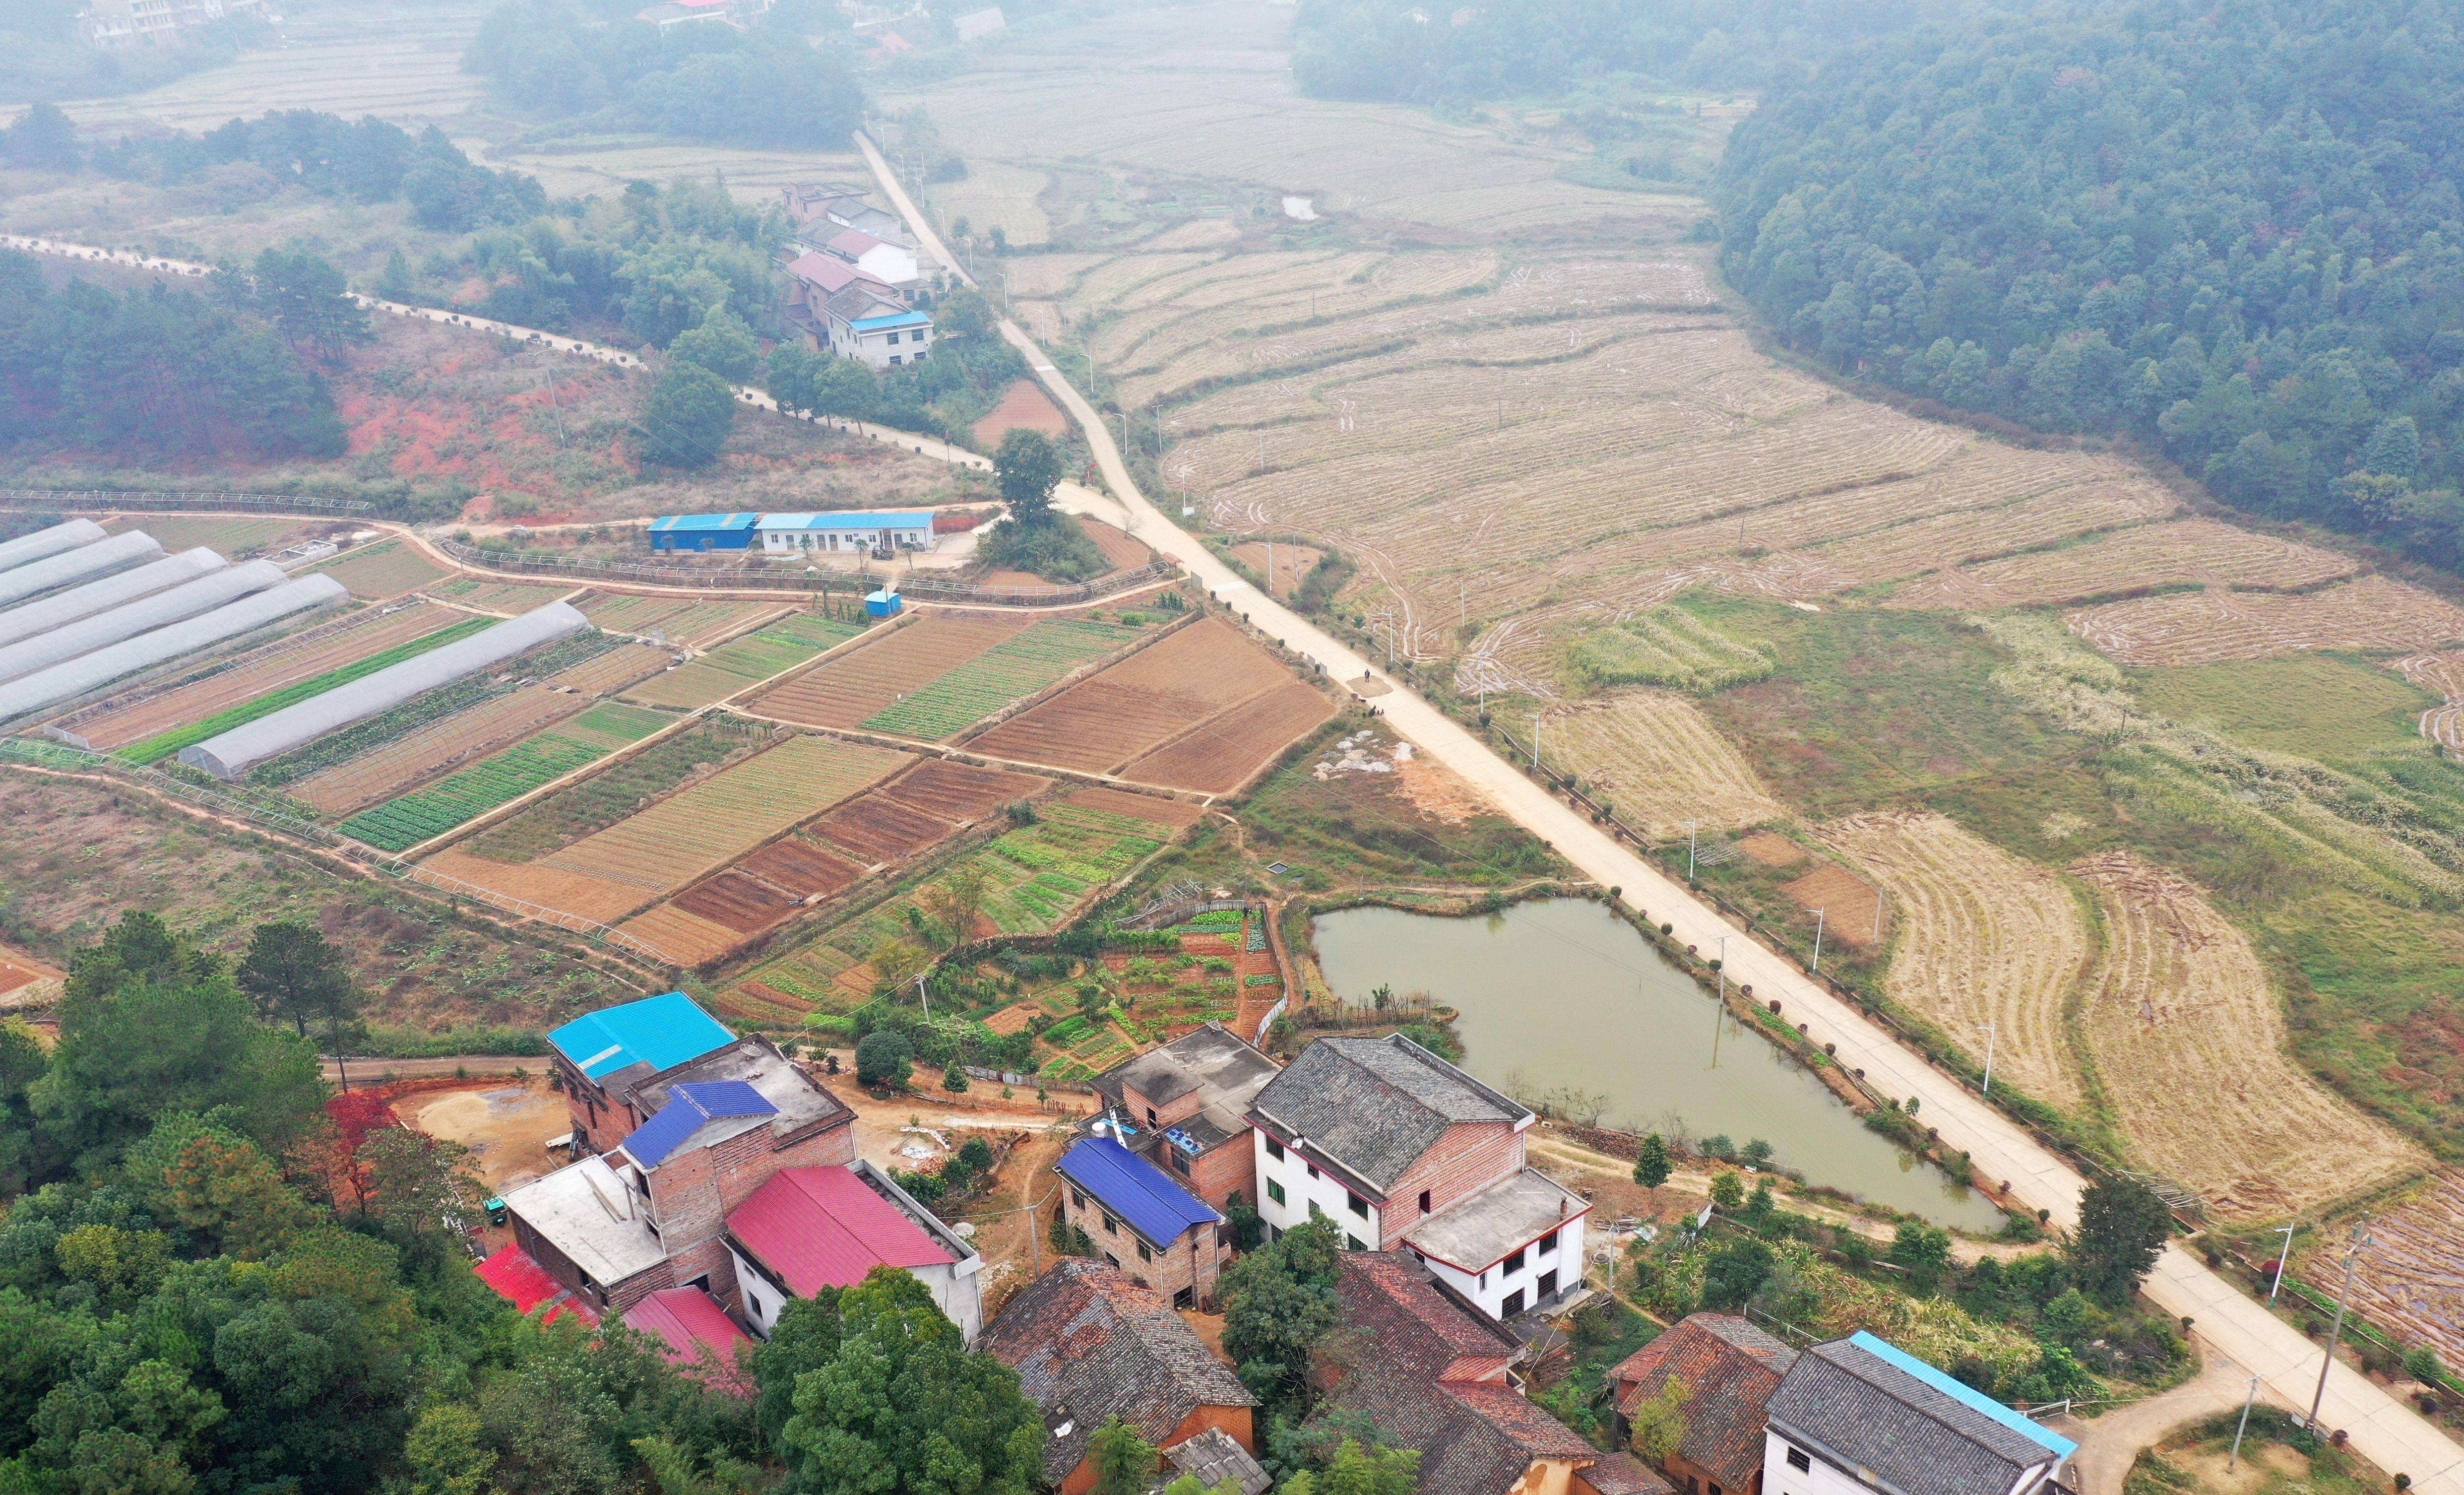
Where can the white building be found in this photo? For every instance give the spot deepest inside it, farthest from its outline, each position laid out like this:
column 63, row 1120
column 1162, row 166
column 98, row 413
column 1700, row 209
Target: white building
column 811, row 1228
column 891, row 264
column 873, row 530
column 1861, row 1417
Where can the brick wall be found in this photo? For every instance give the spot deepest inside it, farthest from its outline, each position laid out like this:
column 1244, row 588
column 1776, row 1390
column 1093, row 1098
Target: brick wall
column 1467, row 1160
column 1214, row 1174
column 693, row 1191
column 1142, row 1109
column 1238, row 1422
column 1193, row 1261
column 615, row 1298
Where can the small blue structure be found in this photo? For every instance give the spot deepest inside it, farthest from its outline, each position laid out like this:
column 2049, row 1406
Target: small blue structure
column 656, row 1032
column 1142, row 1195
column 704, row 531
column 690, row 1107
column 884, row 604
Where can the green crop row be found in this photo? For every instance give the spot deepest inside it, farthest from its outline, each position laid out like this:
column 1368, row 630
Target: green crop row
column 997, row 676
column 162, row 745
column 509, row 775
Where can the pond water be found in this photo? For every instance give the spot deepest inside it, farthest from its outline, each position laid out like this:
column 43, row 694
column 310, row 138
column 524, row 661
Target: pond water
column 1561, row 995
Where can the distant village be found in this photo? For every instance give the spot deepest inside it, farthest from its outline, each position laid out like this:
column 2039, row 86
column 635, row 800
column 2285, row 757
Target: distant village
column 714, row 1180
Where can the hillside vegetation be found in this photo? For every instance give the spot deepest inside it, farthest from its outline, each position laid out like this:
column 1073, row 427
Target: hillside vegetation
column 2233, row 229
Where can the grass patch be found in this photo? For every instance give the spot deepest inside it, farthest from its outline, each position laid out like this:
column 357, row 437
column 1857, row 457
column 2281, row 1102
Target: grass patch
column 2322, row 705
column 162, row 745
column 1669, row 645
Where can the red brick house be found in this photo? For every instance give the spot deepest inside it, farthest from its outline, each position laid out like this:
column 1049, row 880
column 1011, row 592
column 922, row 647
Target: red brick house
column 1090, row 1345
column 1730, row 1368
column 1185, row 1106
column 1143, row 1221
column 1405, row 1152
column 1431, row 1373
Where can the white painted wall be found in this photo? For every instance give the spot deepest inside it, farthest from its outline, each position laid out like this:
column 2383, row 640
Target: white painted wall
column 1489, row 1289
column 1781, row 1477
column 1291, row 1174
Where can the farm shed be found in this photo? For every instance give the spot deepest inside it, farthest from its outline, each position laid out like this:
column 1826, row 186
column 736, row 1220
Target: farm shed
column 76, row 565
column 86, row 672
column 93, row 597
column 703, row 531
column 85, row 635
column 227, row 755
column 876, row 529
column 48, row 542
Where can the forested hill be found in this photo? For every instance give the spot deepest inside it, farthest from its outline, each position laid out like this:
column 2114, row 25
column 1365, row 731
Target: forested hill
column 2233, row 227
column 1438, row 51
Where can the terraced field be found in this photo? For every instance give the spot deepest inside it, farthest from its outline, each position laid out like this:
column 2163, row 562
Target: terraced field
column 744, row 661
column 998, row 676
column 2198, row 628
column 1657, row 758
column 402, row 823
column 2128, row 560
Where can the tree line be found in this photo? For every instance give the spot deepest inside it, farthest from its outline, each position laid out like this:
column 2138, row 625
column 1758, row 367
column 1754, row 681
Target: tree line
column 762, row 86
column 2233, row 230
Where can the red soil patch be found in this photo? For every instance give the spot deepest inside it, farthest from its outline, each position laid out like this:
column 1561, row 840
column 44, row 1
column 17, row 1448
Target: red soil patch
column 1120, row 551
column 1848, row 901
column 1023, row 407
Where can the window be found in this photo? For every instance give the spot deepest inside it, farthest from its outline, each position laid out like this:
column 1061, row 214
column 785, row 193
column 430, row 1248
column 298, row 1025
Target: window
column 894, row 339
column 1111, row 1227
column 1274, row 1149
column 1078, row 1196
column 1351, row 1242
column 1312, row 1171
column 1314, row 1212
column 1185, row 1298
column 1425, row 1202
column 1180, row 1161
column 1114, row 1260
column 1547, row 1243
column 1357, row 1205
column 1145, row 1252
column 1510, row 1265
column 1546, row 1284
column 1150, row 1117
column 1274, row 1191
column 895, row 359
column 1800, row 1460
column 1513, row 1304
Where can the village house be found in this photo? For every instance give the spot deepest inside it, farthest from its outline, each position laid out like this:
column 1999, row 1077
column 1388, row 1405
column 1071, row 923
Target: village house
column 1729, row 1370
column 1404, row 1152
column 872, row 326
column 874, row 531
column 1145, row 1223
column 155, row 23
column 694, row 1334
column 600, row 1056
column 812, row 1228
column 1090, row 1345
column 819, row 211
column 670, row 14
column 1429, row 1374
column 1184, row 1107
column 893, row 264
column 1861, row 1417
column 813, row 277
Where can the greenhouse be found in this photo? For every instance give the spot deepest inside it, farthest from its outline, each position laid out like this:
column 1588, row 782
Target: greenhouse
column 48, row 542
column 93, row 597
column 229, row 754
column 88, row 634
column 85, row 672
column 76, row 565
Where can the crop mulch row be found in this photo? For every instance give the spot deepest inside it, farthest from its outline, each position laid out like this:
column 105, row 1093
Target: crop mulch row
column 577, row 893
column 680, row 935
column 743, row 904
column 800, row 869
column 876, row 830
column 743, row 661
column 405, row 822
column 863, row 681
column 1166, row 815
column 2203, row 628
column 270, row 667
column 508, row 598
column 1131, row 708
column 1230, row 748
column 611, row 672
column 998, row 677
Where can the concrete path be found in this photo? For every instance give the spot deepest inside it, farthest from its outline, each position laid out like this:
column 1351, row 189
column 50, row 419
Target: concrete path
column 2384, row 1429
column 2110, row 1445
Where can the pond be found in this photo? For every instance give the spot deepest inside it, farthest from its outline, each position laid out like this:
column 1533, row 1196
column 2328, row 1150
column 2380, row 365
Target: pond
column 1561, row 995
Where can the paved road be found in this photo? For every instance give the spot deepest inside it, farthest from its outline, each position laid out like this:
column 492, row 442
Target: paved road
column 2384, row 1429
column 913, row 441
column 2112, row 1443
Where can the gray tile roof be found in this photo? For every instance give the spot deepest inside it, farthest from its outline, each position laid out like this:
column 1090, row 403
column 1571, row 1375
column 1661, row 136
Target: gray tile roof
column 1088, row 1344
column 1374, row 1104
column 1858, row 1410
column 1213, row 1456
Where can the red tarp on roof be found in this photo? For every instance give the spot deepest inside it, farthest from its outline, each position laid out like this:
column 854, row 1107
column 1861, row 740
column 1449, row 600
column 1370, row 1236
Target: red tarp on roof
column 690, row 1322
column 823, row 1227
column 526, row 1284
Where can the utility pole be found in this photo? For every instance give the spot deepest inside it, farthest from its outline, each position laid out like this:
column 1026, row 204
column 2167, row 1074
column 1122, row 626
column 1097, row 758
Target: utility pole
column 1536, row 742
column 2281, row 1257
column 1817, row 942
column 1691, row 827
column 1724, row 972
column 2234, row 1462
column 1989, row 1061
column 2360, row 1238
column 925, row 995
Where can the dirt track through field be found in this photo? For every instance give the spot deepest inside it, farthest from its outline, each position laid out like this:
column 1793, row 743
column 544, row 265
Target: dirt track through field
column 2190, row 1049
column 1658, row 758
column 1983, row 939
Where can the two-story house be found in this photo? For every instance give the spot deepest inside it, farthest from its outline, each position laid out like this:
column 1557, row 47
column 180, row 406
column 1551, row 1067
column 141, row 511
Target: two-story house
column 1729, row 1370
column 1184, row 1107
column 1861, row 1417
column 1142, row 1222
column 814, row 1228
column 1404, row 1152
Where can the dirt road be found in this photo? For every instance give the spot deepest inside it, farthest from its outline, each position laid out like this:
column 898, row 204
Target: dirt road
column 368, row 1071
column 2113, row 1442
column 2383, row 1429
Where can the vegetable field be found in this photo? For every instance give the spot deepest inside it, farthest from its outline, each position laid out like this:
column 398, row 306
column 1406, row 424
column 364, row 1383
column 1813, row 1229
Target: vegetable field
column 162, row 745
column 388, row 569
column 1001, row 675
column 508, row 598
column 863, row 681
column 353, row 784
column 744, row 661
column 678, row 621
column 405, row 822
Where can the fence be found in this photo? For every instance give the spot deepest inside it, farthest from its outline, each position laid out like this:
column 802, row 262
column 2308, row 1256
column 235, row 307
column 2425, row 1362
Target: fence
column 59, row 755
column 104, row 498
column 774, row 579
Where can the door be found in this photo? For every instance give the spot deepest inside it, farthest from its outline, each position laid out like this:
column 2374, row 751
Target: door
column 1546, row 1287
column 1513, row 1304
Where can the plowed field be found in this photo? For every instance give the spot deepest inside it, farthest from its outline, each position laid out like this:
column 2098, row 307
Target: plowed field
column 1166, row 815
column 2412, row 1280
column 1224, row 752
column 2199, row 627
column 743, row 904
column 682, row 936
column 874, row 830
column 960, row 792
column 700, row 828
column 282, row 663
column 800, row 868
column 576, row 893
column 862, row 681
column 999, row 677
column 2189, row 1047
column 1985, row 938
column 1659, row 762
column 2126, row 561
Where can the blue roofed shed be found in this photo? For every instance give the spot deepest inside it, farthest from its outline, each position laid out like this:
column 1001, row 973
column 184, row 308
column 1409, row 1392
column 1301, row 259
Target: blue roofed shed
column 704, row 531
column 705, row 1113
column 860, row 528
column 656, row 1032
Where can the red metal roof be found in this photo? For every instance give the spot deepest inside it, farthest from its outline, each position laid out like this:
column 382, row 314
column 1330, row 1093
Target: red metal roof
column 690, row 1322
column 856, row 242
column 526, row 1284
column 823, row 1227
column 829, row 273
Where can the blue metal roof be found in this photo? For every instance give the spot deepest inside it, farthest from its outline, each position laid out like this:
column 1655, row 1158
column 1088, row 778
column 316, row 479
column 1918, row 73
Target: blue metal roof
column 658, row 1031
column 895, row 320
column 1961, row 1392
column 1142, row 1194
column 858, row 520
column 669, row 524
column 688, row 1108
